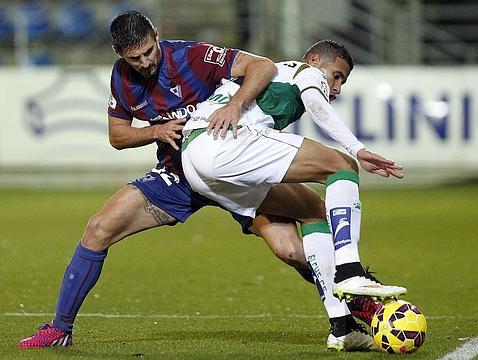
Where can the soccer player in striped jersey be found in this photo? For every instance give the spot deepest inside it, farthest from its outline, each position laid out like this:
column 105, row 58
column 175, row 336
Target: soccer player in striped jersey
column 159, row 82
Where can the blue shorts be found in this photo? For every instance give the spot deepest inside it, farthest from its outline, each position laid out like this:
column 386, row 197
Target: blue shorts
column 172, row 194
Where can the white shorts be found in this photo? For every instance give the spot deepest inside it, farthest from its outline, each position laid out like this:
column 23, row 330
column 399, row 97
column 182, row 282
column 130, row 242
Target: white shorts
column 238, row 173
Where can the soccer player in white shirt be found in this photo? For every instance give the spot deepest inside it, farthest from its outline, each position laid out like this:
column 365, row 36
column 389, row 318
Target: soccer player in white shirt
column 239, row 170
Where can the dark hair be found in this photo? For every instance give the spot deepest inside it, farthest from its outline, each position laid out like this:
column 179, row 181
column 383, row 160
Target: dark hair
column 330, row 50
column 129, row 29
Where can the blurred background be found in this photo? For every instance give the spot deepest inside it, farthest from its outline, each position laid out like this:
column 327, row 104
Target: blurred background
column 72, row 32
column 411, row 97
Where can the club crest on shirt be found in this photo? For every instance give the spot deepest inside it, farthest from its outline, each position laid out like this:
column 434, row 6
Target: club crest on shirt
column 215, row 55
column 177, row 91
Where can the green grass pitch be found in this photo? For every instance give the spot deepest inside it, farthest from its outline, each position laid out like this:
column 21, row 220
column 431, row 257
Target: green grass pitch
column 202, row 290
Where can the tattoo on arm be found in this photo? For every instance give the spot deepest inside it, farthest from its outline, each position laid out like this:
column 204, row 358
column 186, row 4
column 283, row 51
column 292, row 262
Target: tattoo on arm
column 237, row 61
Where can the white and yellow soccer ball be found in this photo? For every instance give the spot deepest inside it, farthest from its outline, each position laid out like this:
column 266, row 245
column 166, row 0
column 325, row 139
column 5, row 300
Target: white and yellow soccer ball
column 398, row 327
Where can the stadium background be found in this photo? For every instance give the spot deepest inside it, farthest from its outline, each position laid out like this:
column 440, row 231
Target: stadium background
column 412, row 97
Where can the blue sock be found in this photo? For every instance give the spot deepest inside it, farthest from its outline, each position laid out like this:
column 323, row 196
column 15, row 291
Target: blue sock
column 80, row 276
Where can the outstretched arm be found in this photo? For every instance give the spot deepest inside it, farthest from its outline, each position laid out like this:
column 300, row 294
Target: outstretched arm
column 257, row 72
column 329, row 120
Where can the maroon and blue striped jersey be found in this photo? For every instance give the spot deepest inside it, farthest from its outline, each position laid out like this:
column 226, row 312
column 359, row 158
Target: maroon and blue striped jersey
column 188, row 73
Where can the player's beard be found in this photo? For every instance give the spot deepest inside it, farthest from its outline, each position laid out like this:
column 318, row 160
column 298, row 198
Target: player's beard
column 149, row 72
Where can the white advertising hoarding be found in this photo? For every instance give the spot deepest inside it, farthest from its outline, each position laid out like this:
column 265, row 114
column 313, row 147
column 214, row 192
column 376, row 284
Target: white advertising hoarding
column 53, row 116
column 419, row 116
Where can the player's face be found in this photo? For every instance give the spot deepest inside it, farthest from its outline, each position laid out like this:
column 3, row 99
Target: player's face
column 145, row 58
column 336, row 73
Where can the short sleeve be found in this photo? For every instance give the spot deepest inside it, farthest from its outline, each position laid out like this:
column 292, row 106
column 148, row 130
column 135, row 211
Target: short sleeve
column 115, row 108
column 211, row 63
column 312, row 78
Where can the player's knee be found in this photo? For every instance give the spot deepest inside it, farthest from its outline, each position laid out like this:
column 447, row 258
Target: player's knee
column 341, row 162
column 99, row 233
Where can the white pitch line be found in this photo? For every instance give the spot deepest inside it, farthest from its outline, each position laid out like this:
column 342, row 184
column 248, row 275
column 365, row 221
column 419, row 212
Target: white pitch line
column 199, row 316
column 467, row 351
column 164, row 316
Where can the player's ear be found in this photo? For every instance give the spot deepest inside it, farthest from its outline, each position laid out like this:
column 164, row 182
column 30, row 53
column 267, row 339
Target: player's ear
column 156, row 34
column 314, row 60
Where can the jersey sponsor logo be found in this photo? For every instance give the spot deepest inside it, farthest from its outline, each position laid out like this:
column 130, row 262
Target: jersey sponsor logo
column 180, row 113
column 340, row 223
column 112, row 102
column 177, row 91
column 215, row 55
column 339, row 212
column 139, row 106
column 341, row 243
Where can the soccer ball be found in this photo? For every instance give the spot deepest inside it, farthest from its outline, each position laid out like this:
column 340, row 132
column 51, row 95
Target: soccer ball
column 398, row 327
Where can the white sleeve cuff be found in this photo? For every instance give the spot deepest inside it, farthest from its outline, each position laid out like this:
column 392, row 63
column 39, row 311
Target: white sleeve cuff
column 354, row 149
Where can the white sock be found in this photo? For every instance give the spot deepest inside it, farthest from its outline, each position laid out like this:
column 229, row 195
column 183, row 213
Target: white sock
column 319, row 253
column 344, row 212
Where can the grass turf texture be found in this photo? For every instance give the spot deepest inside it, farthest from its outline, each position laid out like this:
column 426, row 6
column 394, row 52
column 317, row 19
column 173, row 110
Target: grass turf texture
column 202, row 290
